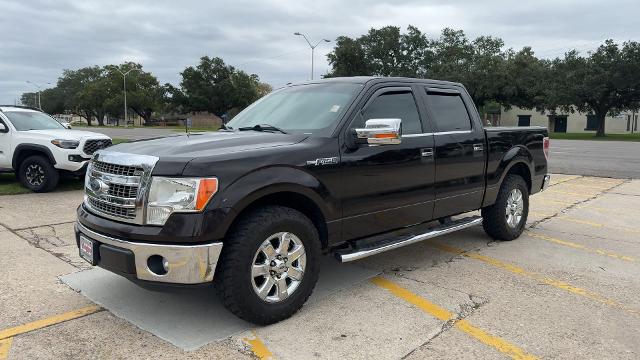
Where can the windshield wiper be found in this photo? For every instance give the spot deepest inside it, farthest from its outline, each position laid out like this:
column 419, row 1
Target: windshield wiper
column 262, row 127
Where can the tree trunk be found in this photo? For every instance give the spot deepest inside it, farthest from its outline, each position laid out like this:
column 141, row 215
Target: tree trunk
column 87, row 115
column 100, row 116
column 601, row 117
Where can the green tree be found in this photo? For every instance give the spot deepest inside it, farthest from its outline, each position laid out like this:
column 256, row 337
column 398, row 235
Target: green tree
column 82, row 93
column 145, row 95
column 605, row 81
column 215, row 87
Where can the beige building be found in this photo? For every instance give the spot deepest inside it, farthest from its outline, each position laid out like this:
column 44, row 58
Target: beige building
column 624, row 123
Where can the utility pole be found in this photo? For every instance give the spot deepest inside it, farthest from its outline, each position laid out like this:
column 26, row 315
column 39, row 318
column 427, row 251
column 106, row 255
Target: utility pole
column 313, row 48
column 39, row 87
column 124, row 87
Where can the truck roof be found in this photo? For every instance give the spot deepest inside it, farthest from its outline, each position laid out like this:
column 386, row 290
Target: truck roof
column 375, row 79
column 18, row 108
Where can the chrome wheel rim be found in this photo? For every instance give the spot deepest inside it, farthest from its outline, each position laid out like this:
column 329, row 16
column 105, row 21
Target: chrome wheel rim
column 515, row 208
column 35, row 175
column 278, row 267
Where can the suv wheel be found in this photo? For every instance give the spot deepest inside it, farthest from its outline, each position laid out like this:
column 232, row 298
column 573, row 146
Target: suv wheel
column 37, row 174
column 506, row 219
column 269, row 265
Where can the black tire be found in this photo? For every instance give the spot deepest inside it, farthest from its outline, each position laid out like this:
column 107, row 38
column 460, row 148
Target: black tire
column 46, row 178
column 495, row 222
column 234, row 278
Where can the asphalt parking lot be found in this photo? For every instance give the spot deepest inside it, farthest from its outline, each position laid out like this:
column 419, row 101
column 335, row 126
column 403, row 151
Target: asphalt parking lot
column 568, row 288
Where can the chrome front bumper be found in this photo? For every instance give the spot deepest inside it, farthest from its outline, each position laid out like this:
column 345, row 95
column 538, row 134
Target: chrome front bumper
column 546, row 181
column 185, row 264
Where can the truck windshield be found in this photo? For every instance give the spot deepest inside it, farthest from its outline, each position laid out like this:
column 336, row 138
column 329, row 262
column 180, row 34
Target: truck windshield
column 32, row 120
column 303, row 108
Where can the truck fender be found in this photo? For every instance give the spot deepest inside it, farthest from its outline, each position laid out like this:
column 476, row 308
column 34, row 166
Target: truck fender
column 31, row 147
column 516, row 155
column 267, row 181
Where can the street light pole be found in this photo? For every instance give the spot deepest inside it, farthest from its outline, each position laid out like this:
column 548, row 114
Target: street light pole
column 313, row 48
column 38, row 86
column 124, row 87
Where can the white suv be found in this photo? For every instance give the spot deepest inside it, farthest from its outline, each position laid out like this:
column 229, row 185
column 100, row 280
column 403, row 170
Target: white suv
column 38, row 148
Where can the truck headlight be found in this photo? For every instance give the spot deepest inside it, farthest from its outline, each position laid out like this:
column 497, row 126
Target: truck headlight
column 65, row 144
column 168, row 195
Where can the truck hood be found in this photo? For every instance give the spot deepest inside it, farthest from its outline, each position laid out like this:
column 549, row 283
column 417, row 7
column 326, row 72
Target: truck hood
column 207, row 144
column 65, row 134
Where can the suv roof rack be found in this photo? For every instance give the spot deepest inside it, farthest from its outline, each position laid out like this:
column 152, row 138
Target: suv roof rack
column 21, row 107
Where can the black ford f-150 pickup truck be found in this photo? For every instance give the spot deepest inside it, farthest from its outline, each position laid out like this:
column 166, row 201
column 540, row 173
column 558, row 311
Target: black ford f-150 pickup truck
column 350, row 166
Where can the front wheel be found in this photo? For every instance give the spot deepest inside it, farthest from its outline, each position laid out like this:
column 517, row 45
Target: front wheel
column 38, row 174
column 506, row 219
column 269, row 265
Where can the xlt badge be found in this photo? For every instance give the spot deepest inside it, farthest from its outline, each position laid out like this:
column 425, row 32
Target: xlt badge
column 323, row 161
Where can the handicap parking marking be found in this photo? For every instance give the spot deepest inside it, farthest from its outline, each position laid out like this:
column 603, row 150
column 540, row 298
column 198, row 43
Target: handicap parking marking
column 443, row 314
column 559, row 284
column 258, row 347
column 573, row 245
column 53, row 320
column 191, row 318
column 5, row 346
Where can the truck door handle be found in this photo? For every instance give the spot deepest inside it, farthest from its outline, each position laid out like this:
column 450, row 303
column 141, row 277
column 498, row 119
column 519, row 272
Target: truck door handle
column 428, row 152
column 478, row 147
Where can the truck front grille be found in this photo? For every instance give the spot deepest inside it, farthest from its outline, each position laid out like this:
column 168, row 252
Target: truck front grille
column 116, row 183
column 116, row 169
column 91, row 146
column 123, row 191
column 112, row 209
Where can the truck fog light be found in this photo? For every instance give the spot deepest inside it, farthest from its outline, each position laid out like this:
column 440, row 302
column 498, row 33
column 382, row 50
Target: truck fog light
column 158, row 264
column 158, row 215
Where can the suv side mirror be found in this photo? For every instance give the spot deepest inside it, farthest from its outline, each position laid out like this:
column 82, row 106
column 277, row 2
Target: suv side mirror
column 3, row 128
column 381, row 131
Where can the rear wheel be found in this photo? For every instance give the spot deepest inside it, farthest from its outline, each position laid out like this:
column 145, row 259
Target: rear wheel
column 507, row 217
column 38, row 174
column 269, row 265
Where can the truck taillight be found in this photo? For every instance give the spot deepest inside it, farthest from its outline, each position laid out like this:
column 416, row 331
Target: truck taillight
column 545, row 147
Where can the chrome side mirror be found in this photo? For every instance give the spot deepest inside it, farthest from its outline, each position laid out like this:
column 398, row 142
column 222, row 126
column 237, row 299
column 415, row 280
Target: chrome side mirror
column 381, row 131
column 3, row 128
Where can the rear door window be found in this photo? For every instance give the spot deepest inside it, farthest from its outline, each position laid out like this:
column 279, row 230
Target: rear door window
column 449, row 112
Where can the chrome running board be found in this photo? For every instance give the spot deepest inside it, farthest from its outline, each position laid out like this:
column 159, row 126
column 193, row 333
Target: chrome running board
column 380, row 245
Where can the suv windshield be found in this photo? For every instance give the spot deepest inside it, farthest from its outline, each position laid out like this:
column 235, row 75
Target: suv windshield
column 32, row 120
column 302, row 108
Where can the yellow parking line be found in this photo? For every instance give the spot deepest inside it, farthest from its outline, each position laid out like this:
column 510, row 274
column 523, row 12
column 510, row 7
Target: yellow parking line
column 599, row 225
column 556, row 182
column 571, row 193
column 42, row 323
column 581, row 247
column 443, row 314
column 5, row 345
column 258, row 347
column 537, row 277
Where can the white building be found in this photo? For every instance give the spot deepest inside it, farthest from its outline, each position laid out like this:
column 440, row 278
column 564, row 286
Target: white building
column 624, row 123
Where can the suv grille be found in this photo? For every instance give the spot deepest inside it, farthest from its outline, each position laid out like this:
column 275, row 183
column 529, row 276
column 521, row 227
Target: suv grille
column 91, row 146
column 116, row 169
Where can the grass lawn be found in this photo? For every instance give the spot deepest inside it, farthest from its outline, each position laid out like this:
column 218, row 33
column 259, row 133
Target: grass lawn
column 9, row 184
column 592, row 136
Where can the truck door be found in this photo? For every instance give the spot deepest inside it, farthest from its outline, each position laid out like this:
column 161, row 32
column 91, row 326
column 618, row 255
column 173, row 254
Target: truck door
column 459, row 152
column 5, row 146
column 388, row 186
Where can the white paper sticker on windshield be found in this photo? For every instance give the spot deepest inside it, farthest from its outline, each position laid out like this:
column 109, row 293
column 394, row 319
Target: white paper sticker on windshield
column 335, row 108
